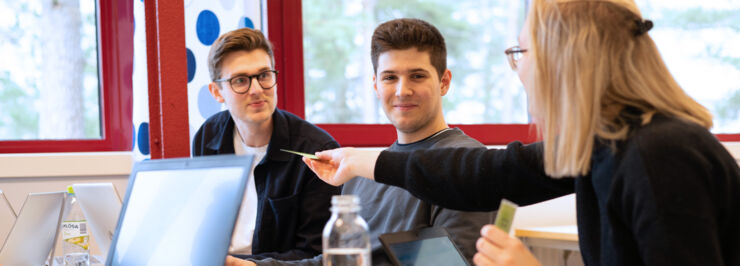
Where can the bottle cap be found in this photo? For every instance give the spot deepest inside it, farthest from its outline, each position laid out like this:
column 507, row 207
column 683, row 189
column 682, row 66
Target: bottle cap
column 70, row 190
column 344, row 203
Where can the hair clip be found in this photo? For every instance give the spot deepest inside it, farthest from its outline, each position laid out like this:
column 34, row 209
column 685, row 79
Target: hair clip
column 643, row 26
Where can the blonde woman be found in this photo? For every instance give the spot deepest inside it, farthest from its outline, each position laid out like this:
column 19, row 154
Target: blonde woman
column 653, row 186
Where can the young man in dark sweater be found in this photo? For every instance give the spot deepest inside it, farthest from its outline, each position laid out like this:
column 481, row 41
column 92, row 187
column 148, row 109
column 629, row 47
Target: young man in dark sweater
column 411, row 76
column 285, row 206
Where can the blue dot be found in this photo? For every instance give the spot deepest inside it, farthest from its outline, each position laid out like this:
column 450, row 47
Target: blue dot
column 143, row 138
column 207, row 106
column 207, row 27
column 191, row 65
column 245, row 22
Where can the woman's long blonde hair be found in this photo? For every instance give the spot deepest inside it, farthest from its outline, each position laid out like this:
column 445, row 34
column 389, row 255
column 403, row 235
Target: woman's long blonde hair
column 589, row 63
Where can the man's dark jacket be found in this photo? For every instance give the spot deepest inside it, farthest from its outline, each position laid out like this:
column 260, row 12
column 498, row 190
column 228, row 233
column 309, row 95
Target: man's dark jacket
column 293, row 204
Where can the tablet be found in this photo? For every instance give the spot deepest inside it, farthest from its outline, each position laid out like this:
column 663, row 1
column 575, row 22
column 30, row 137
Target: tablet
column 101, row 206
column 427, row 246
column 34, row 232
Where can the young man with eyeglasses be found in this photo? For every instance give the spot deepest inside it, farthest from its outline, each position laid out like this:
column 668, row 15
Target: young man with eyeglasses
column 285, row 206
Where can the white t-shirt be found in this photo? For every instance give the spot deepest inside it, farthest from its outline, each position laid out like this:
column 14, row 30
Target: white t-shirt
column 241, row 242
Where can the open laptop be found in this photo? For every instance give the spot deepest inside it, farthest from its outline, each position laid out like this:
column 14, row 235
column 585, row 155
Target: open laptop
column 101, row 205
column 7, row 217
column 35, row 230
column 427, row 246
column 180, row 211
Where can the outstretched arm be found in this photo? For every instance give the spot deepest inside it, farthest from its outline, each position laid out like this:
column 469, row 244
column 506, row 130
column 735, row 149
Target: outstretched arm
column 468, row 179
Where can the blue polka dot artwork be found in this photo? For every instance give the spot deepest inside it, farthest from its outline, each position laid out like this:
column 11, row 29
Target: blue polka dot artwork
column 207, row 27
column 191, row 65
column 245, row 22
column 205, row 21
column 143, row 138
column 207, row 106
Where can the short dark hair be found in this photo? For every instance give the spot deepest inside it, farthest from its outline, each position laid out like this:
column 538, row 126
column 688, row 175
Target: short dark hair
column 404, row 33
column 244, row 39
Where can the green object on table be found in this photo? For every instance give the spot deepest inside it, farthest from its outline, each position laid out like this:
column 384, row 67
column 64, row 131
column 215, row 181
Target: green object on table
column 505, row 216
column 307, row 155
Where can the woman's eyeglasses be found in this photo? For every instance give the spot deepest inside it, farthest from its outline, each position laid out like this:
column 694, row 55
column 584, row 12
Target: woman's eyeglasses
column 514, row 54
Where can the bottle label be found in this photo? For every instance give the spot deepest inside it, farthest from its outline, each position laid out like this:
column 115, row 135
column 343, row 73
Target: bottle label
column 75, row 232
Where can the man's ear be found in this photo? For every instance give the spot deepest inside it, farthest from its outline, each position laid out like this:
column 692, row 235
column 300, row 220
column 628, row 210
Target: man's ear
column 375, row 87
column 445, row 82
column 215, row 92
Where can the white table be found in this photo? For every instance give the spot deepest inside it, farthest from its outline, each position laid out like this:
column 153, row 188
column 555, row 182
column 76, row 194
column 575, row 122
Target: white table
column 559, row 237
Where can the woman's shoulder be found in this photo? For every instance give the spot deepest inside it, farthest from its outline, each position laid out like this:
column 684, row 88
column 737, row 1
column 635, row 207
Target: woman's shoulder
column 679, row 147
column 665, row 132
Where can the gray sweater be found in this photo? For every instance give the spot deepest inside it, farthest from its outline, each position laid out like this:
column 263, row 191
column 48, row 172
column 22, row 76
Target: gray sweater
column 390, row 209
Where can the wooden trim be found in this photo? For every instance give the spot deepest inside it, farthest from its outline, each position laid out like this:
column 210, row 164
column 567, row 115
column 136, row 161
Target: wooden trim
column 566, row 233
column 168, row 99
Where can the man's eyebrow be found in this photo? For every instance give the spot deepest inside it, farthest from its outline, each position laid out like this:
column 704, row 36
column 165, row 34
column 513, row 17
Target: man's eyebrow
column 418, row 70
column 244, row 73
column 413, row 70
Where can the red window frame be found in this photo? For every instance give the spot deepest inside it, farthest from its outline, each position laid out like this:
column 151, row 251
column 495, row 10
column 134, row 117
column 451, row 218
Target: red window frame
column 285, row 31
column 115, row 60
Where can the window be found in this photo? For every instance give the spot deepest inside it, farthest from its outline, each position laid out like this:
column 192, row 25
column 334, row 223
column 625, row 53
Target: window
column 346, row 31
column 706, row 61
column 65, row 77
column 338, row 69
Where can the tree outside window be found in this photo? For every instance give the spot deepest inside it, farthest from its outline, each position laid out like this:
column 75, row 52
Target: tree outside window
column 49, row 87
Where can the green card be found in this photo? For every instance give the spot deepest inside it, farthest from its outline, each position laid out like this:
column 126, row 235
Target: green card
column 307, row 155
column 505, row 216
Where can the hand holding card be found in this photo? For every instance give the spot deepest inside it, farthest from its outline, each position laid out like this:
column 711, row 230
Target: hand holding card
column 505, row 216
column 307, row 155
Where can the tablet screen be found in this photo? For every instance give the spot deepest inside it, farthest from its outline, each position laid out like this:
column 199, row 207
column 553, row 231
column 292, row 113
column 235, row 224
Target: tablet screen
column 431, row 251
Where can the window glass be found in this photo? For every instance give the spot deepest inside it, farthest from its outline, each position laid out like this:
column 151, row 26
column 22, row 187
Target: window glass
column 700, row 42
column 49, row 70
column 338, row 70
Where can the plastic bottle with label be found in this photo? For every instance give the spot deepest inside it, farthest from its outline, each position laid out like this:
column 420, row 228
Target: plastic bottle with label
column 345, row 238
column 75, row 235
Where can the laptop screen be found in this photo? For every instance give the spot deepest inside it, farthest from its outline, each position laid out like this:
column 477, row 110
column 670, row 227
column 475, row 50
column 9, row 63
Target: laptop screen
column 180, row 215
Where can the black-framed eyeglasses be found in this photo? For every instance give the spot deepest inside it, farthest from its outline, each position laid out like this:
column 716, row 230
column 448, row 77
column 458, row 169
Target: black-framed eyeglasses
column 241, row 83
column 514, row 54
